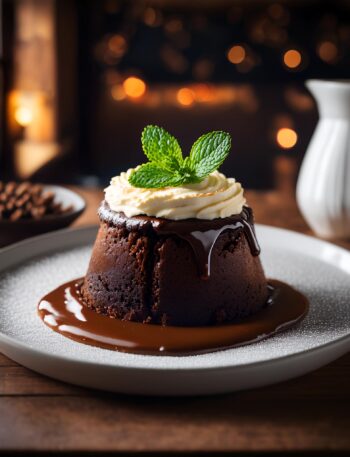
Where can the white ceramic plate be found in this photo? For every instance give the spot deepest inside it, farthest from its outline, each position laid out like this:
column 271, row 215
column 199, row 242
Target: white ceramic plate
column 30, row 269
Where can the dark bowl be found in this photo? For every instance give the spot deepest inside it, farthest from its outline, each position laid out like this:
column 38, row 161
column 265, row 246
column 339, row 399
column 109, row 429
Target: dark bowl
column 13, row 231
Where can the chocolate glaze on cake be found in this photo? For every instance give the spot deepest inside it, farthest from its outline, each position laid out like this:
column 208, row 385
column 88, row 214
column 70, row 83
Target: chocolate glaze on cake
column 185, row 273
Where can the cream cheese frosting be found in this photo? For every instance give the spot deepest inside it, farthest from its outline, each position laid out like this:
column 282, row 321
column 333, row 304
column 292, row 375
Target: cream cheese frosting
column 215, row 197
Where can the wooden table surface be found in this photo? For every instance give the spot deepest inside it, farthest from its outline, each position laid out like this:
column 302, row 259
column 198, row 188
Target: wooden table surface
column 308, row 415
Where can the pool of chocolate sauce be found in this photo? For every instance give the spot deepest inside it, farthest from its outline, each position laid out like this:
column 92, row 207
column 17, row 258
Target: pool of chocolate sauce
column 63, row 311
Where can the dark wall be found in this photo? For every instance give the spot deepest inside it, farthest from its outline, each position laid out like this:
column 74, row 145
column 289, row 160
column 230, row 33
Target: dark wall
column 110, row 129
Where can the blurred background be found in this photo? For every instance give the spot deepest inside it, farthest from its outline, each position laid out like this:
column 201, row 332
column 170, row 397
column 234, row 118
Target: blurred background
column 80, row 79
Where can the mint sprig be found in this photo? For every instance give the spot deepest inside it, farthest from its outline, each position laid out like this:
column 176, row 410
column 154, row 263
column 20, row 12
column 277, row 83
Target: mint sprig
column 150, row 175
column 209, row 152
column 161, row 148
column 167, row 167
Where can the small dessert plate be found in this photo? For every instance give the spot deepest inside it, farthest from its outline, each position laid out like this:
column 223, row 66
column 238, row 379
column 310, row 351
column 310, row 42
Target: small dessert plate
column 320, row 270
column 14, row 231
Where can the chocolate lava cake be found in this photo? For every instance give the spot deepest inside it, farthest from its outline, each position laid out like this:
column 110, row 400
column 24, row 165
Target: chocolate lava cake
column 191, row 272
column 176, row 244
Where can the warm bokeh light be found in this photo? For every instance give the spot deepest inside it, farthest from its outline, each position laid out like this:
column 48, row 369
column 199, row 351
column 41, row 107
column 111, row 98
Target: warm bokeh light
column 118, row 92
column 185, row 96
column 328, row 52
column 23, row 115
column 203, row 93
column 117, row 45
column 236, row 54
column 152, row 17
column 29, row 156
column 292, row 58
column 134, row 87
column 298, row 99
column 286, row 138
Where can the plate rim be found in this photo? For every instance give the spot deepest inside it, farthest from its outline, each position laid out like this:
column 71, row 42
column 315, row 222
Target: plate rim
column 89, row 230
column 282, row 359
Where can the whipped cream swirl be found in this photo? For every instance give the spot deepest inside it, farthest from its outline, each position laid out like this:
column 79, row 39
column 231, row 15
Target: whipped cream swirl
column 215, row 197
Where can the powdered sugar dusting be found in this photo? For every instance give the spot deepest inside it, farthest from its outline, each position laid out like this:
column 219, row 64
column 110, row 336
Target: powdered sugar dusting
column 326, row 286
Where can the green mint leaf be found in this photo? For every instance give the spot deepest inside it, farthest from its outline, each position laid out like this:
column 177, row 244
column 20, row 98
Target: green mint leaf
column 167, row 167
column 209, row 152
column 150, row 175
column 161, row 148
column 188, row 172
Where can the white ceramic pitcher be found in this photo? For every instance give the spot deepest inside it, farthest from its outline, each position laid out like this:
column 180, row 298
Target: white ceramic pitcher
column 323, row 188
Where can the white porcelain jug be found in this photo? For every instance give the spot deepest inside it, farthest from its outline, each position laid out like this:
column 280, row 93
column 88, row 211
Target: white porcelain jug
column 323, row 188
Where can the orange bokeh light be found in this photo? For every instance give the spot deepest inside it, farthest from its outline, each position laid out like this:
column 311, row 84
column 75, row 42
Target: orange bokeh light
column 292, row 58
column 152, row 17
column 203, row 93
column 134, row 87
column 23, row 115
column 328, row 51
column 236, row 54
column 286, row 138
column 118, row 92
column 117, row 45
column 185, row 96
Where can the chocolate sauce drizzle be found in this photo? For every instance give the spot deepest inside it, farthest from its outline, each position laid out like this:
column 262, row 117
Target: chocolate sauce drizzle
column 203, row 241
column 201, row 234
column 64, row 312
